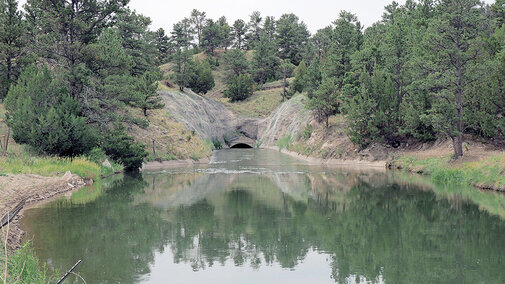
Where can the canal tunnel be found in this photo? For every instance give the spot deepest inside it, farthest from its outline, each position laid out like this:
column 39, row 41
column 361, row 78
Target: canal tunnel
column 241, row 146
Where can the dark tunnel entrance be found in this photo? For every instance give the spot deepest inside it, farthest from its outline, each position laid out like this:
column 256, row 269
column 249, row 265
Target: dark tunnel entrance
column 241, row 146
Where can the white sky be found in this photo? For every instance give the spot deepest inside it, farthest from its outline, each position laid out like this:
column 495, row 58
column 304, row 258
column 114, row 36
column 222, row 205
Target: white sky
column 316, row 14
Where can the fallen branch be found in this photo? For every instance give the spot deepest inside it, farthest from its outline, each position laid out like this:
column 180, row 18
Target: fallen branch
column 69, row 272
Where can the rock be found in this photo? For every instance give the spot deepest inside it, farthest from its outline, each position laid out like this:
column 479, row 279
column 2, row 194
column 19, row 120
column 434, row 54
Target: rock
column 67, row 176
column 107, row 164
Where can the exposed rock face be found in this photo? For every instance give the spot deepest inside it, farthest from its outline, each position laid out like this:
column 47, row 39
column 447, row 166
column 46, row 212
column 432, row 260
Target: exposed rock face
column 212, row 120
column 208, row 118
column 288, row 119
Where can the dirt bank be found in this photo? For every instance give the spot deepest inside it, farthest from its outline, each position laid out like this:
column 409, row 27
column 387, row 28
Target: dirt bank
column 32, row 189
column 333, row 162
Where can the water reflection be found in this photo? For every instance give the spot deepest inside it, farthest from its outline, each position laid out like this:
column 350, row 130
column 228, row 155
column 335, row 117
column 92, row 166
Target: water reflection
column 263, row 217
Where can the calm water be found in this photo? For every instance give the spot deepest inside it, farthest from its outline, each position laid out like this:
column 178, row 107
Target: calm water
column 257, row 216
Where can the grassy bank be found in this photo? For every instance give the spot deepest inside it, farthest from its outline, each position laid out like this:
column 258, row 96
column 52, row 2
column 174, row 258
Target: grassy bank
column 46, row 166
column 486, row 174
column 23, row 267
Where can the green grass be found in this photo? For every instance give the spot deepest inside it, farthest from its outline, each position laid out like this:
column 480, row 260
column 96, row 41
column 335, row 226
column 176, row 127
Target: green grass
column 23, row 267
column 284, row 142
column 47, row 166
column 488, row 173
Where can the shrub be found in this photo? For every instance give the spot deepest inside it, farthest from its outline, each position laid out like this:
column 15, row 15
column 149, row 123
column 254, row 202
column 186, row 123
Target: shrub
column 307, row 131
column 201, row 79
column 239, row 88
column 217, row 144
column 122, row 148
column 49, row 119
column 284, row 142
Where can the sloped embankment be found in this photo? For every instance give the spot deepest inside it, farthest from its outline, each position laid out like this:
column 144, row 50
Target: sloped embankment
column 288, row 119
column 208, row 118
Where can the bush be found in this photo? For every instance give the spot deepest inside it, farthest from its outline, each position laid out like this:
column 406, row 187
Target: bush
column 239, row 88
column 123, row 149
column 217, row 144
column 49, row 119
column 284, row 142
column 201, row 79
column 307, row 132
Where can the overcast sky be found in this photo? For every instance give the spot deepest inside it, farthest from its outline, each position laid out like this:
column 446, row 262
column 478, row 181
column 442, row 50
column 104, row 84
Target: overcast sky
column 316, row 14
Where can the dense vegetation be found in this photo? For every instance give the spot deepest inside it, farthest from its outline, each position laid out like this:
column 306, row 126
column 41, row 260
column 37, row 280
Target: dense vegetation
column 77, row 70
column 71, row 72
column 428, row 69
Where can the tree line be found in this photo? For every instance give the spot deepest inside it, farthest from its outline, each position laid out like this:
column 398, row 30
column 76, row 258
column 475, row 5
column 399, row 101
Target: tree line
column 427, row 69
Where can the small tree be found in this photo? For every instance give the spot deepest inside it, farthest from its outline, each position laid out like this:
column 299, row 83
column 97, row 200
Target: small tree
column 300, row 74
column 146, row 97
column 325, row 100
column 265, row 64
column 122, row 148
column 239, row 88
column 236, row 62
column 46, row 117
column 201, row 79
column 285, row 71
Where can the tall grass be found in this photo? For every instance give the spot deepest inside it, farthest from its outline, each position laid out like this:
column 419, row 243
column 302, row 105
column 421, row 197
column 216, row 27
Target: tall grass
column 52, row 165
column 488, row 173
column 23, row 267
column 284, row 142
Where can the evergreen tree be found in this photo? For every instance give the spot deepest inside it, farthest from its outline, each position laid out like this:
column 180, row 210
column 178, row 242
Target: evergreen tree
column 254, row 30
column 182, row 67
column 264, row 64
column 292, row 36
column 182, row 34
column 313, row 77
column 239, row 88
column 211, row 37
column 162, row 43
column 286, row 71
column 236, row 62
column 239, row 31
column 300, row 78
column 198, row 21
column 43, row 114
column 270, row 28
column 225, row 34
column 146, row 97
column 136, row 39
column 201, row 79
column 452, row 49
column 13, row 39
column 322, row 41
column 121, row 147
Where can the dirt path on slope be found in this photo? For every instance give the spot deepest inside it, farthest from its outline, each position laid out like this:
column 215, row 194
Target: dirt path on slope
column 30, row 189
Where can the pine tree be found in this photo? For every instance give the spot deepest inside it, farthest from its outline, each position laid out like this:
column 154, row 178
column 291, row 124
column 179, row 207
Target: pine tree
column 300, row 78
column 146, row 97
column 452, row 48
column 239, row 31
column 239, row 88
column 292, row 36
column 12, row 44
column 254, row 30
column 264, row 64
column 211, row 37
column 286, row 71
column 198, row 21
column 236, row 62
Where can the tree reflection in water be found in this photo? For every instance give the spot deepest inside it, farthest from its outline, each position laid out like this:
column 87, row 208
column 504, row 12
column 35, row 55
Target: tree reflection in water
column 371, row 226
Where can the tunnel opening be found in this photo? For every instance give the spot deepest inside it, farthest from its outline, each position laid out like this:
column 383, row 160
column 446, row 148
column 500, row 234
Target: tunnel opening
column 241, row 146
